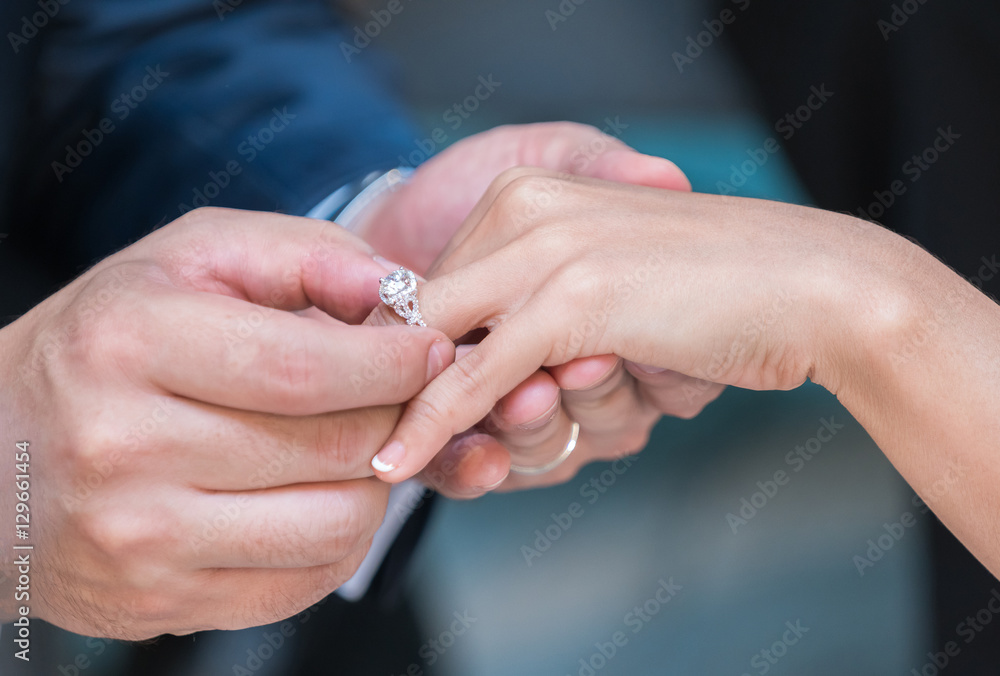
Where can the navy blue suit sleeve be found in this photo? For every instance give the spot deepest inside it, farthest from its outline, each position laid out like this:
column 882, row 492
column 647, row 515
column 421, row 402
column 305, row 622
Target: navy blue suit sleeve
column 143, row 110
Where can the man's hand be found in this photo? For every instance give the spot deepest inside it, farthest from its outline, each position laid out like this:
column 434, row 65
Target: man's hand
column 616, row 403
column 200, row 425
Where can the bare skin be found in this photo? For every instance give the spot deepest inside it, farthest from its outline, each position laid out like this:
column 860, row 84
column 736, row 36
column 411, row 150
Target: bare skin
column 619, row 401
column 756, row 294
column 190, row 436
column 201, row 413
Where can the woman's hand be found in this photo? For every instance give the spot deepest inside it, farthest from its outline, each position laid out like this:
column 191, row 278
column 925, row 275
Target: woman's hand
column 559, row 267
column 741, row 292
column 618, row 402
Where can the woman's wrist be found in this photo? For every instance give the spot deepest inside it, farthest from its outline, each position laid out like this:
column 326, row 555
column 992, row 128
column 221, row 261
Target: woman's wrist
column 852, row 310
column 883, row 287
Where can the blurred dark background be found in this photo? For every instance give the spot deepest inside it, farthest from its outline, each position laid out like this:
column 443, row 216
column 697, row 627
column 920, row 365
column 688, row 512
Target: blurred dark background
column 897, row 71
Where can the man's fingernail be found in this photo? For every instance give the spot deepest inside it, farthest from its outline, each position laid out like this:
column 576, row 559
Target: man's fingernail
column 613, row 372
column 387, row 264
column 389, row 457
column 494, row 486
column 392, row 267
column 471, row 449
column 542, row 420
column 651, row 370
column 437, row 358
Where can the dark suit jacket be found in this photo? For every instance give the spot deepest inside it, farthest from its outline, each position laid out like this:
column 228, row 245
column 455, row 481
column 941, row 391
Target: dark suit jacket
column 138, row 111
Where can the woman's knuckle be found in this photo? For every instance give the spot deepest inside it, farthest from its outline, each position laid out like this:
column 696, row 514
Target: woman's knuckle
column 529, row 195
column 508, row 176
column 473, row 378
column 431, row 411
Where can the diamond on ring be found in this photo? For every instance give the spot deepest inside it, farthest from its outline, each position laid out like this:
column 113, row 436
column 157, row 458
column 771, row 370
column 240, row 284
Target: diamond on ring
column 398, row 290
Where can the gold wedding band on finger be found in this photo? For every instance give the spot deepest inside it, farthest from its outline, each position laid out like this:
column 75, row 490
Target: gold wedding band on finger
column 398, row 290
column 574, row 434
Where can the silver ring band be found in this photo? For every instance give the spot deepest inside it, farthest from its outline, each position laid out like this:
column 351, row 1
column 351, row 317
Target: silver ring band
column 574, row 434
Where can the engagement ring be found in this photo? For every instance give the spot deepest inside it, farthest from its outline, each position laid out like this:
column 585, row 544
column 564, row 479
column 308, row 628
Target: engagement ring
column 398, row 290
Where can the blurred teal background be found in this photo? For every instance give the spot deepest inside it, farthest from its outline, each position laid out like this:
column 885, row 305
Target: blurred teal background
column 665, row 517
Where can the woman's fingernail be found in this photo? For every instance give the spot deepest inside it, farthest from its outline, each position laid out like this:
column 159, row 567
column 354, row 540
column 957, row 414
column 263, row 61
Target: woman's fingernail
column 542, row 420
column 462, row 350
column 437, row 358
column 651, row 370
column 387, row 264
column 389, row 457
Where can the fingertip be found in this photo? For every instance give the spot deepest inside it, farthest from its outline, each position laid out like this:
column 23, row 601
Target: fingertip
column 587, row 372
column 629, row 166
column 673, row 177
column 530, row 404
column 654, row 375
column 468, row 467
column 387, row 461
column 386, row 264
column 407, row 452
column 440, row 355
column 352, row 271
column 459, row 398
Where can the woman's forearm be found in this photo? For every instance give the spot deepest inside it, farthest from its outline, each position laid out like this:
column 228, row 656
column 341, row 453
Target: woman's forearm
column 919, row 367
